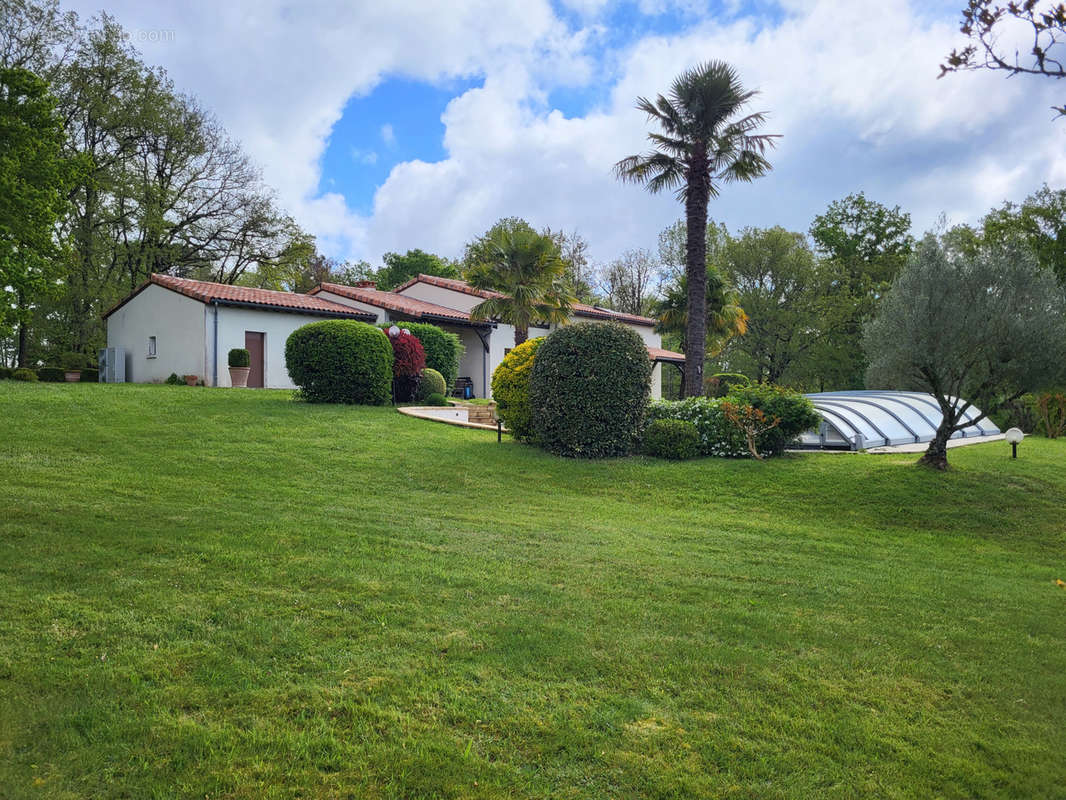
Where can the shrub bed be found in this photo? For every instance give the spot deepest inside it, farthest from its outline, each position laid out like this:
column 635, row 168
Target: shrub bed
column 340, row 361
column 510, row 389
column 408, row 362
column 52, row 374
column 589, row 389
column 443, row 349
column 671, row 438
column 720, row 437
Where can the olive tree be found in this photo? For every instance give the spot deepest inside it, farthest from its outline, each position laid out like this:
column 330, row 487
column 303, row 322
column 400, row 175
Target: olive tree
column 978, row 329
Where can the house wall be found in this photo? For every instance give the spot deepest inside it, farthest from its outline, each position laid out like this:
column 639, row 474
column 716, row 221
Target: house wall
column 176, row 322
column 449, row 298
column 232, row 324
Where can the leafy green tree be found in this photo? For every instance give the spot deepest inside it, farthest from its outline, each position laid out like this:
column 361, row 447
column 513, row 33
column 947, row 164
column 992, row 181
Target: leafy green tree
column 863, row 244
column 527, row 271
column 781, row 288
column 34, row 179
column 705, row 142
column 971, row 330
column 399, row 269
column 725, row 316
column 1040, row 221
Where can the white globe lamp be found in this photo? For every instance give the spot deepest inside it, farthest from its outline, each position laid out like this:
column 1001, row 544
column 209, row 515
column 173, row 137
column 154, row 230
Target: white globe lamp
column 1014, row 437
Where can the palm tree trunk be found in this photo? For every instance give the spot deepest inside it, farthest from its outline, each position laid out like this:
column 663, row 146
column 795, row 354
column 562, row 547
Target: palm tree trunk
column 696, row 195
column 521, row 333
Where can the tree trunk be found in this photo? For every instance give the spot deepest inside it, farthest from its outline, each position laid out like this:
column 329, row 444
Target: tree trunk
column 22, row 332
column 521, row 333
column 698, row 191
column 936, row 456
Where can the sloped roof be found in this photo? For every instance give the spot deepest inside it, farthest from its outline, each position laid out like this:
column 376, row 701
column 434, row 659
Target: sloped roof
column 580, row 309
column 409, row 306
column 227, row 294
column 658, row 354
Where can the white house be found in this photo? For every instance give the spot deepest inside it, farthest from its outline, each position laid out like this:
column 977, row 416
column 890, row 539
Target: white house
column 175, row 325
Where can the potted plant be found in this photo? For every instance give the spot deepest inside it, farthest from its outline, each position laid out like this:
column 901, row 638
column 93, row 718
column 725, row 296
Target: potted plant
column 191, row 380
column 240, row 364
column 73, row 364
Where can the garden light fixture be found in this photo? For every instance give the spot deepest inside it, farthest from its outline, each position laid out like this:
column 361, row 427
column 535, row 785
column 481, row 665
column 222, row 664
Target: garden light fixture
column 1014, row 436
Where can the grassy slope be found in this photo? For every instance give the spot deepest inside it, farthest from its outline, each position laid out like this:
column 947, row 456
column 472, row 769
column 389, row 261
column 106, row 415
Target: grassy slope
column 228, row 594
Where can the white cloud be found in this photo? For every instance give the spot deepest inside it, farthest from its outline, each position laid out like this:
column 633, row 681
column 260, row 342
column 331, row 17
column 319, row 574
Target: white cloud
column 361, row 156
column 851, row 86
column 388, row 136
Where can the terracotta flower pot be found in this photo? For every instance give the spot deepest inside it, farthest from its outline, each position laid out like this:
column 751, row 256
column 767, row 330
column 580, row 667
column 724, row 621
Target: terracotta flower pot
column 238, row 377
column 191, row 380
column 72, row 375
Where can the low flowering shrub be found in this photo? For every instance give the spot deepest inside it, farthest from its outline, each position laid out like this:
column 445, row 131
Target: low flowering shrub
column 510, row 389
column 795, row 413
column 671, row 438
column 717, row 435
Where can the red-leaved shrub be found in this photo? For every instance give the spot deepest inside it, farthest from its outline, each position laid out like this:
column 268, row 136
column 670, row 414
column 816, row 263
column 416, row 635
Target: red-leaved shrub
column 408, row 361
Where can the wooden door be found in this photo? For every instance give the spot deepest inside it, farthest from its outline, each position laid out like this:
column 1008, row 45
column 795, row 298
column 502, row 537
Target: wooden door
column 253, row 343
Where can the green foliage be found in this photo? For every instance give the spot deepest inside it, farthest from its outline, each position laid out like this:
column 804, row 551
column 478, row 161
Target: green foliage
column 589, row 389
column 1051, row 414
column 720, row 384
column 174, row 379
column 510, row 389
column 75, row 361
column 5, row 373
column 436, row 400
column 35, row 177
column 90, row 376
column 526, row 271
column 1039, row 221
column 676, row 439
column 340, row 361
column 982, row 328
column 717, row 435
column 795, row 412
column 431, row 382
column 52, row 374
column 24, row 374
column 399, row 269
column 443, row 349
column 1017, row 413
column 239, row 357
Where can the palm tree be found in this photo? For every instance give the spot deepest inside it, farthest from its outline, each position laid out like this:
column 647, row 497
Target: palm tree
column 725, row 317
column 704, row 144
column 527, row 275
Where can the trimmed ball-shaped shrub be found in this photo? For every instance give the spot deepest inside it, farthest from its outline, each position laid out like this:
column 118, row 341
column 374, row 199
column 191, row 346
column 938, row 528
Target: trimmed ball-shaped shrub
column 431, row 382
column 671, row 438
column 443, row 349
column 510, row 389
column 589, row 389
column 24, row 374
column 239, row 357
column 340, row 361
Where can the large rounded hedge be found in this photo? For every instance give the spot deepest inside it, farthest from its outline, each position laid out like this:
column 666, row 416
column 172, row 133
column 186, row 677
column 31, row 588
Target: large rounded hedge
column 340, row 361
column 430, row 382
column 443, row 348
column 510, row 389
column 589, row 390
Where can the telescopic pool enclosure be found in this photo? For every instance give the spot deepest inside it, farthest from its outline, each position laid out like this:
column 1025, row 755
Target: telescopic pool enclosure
column 859, row 420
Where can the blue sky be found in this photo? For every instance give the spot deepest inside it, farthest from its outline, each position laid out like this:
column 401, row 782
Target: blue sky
column 416, row 124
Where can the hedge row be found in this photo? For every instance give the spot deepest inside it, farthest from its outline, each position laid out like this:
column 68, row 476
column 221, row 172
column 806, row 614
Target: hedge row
column 52, row 374
column 340, row 361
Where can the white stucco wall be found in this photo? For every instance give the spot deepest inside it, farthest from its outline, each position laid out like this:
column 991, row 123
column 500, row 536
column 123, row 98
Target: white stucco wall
column 232, row 325
column 449, row 298
column 176, row 322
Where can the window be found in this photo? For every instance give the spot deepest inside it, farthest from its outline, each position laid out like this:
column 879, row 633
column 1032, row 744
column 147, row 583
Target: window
column 151, row 347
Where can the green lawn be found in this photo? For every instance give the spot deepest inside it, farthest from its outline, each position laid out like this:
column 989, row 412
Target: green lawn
column 224, row 593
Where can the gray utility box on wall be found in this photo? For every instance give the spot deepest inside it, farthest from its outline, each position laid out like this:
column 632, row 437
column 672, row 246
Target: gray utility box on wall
column 112, row 362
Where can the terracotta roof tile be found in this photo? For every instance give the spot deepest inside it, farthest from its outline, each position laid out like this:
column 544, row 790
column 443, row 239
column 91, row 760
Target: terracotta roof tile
column 580, row 309
column 395, row 302
column 658, row 354
column 225, row 293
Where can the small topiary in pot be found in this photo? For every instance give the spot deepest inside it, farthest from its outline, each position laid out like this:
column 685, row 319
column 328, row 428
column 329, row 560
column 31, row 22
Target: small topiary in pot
column 340, row 361
column 589, row 390
column 240, row 366
column 676, row 439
